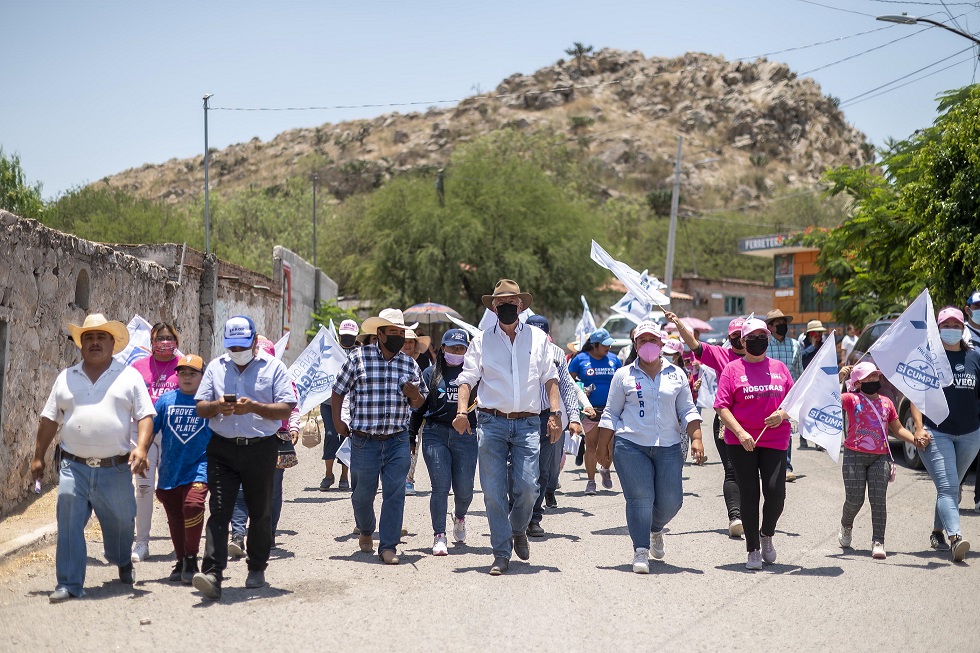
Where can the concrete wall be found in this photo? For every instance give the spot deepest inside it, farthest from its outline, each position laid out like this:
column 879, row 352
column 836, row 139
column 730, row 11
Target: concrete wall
column 302, row 288
column 49, row 279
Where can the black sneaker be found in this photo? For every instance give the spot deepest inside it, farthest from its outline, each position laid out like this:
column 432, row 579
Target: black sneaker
column 127, row 574
column 236, row 547
column 178, row 569
column 580, row 456
column 534, row 530
column 208, row 584
column 549, row 500
column 190, row 568
column 326, row 483
column 938, row 541
column 500, row 566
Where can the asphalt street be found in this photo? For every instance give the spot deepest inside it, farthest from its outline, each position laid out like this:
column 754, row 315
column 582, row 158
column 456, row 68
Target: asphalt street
column 576, row 593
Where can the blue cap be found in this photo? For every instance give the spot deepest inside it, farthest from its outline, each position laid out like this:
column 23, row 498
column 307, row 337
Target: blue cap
column 541, row 322
column 455, row 337
column 974, row 298
column 239, row 332
column 601, row 337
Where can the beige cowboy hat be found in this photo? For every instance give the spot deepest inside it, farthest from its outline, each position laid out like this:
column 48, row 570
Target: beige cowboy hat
column 573, row 346
column 421, row 342
column 387, row 317
column 815, row 325
column 97, row 322
column 507, row 288
column 775, row 314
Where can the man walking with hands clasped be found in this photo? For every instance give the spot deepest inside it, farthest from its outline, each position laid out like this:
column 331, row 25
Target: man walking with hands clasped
column 510, row 361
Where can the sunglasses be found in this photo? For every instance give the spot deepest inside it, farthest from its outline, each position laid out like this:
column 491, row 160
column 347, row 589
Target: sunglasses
column 755, row 338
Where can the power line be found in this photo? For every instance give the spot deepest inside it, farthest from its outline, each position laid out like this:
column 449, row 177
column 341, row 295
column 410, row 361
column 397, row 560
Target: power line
column 813, row 45
column 860, row 54
column 922, row 2
column 848, row 11
column 914, row 72
column 912, row 81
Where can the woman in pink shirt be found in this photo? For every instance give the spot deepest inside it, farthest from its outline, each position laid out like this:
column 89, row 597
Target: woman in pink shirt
column 757, row 433
column 867, row 454
column 159, row 372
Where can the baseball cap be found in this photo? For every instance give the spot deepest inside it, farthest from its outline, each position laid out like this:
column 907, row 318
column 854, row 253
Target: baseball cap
column 735, row 326
column 267, row 346
column 950, row 312
column 860, row 372
column 754, row 324
column 348, row 327
column 673, row 347
column 648, row 326
column 239, row 332
column 600, row 337
column 973, row 298
column 539, row 321
column 192, row 361
column 455, row 337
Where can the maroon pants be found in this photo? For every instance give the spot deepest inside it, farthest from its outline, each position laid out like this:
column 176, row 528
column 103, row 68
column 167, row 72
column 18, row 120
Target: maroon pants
column 185, row 516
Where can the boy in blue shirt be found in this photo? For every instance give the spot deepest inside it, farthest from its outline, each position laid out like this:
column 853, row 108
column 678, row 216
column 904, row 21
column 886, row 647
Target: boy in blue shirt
column 183, row 472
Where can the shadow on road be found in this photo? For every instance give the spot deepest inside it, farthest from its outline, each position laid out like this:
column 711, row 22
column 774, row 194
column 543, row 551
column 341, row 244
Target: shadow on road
column 556, row 536
column 562, row 510
column 791, row 570
column 657, row 568
column 615, row 530
column 516, row 569
column 327, row 499
column 232, row 595
column 719, row 531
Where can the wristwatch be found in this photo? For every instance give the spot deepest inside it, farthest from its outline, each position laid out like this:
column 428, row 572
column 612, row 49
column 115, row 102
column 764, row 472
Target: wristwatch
column 555, row 413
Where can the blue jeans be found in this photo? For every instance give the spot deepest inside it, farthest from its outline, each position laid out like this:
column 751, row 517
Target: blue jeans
column 451, row 461
column 240, row 515
column 389, row 461
column 109, row 492
column 651, row 480
column 501, row 439
column 947, row 459
column 549, row 465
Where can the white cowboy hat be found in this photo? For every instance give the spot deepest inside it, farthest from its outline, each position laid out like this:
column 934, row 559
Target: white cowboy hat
column 387, row 317
column 98, row 322
column 421, row 342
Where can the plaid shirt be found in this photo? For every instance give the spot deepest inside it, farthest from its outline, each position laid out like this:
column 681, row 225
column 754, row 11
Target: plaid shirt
column 789, row 352
column 378, row 406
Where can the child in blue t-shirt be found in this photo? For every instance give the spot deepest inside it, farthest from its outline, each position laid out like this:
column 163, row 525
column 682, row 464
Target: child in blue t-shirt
column 183, row 472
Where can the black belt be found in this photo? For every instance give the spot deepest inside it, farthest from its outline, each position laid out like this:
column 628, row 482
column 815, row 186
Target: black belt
column 378, row 437
column 112, row 461
column 498, row 413
column 244, row 442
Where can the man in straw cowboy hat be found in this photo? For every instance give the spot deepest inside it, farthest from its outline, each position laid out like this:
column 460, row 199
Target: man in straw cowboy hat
column 510, row 361
column 386, row 384
column 95, row 402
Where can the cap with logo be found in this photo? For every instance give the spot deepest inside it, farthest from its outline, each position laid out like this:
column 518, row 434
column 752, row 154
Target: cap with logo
column 191, row 361
column 601, row 337
column 455, row 337
column 539, row 321
column 239, row 332
column 348, row 327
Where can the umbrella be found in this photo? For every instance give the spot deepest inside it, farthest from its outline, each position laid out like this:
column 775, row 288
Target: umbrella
column 430, row 312
column 694, row 324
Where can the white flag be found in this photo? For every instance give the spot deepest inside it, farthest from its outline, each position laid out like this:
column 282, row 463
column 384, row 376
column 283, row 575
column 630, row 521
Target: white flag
column 139, row 341
column 490, row 318
column 910, row 354
column 333, row 330
column 632, row 307
column 586, row 325
column 643, row 286
column 316, row 369
column 814, row 401
column 281, row 345
column 465, row 326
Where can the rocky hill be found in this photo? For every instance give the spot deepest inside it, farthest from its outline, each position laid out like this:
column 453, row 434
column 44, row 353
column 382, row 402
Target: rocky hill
column 749, row 129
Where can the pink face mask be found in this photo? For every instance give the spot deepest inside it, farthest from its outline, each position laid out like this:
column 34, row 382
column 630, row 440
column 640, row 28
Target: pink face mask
column 649, row 352
column 164, row 348
column 454, row 359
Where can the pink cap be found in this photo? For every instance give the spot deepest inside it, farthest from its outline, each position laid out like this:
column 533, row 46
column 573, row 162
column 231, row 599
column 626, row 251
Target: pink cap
column 670, row 327
column 673, row 347
column 751, row 326
column 267, row 346
column 859, row 373
column 648, row 326
column 950, row 312
column 735, row 326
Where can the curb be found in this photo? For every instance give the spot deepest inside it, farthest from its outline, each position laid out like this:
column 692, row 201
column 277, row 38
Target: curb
column 24, row 543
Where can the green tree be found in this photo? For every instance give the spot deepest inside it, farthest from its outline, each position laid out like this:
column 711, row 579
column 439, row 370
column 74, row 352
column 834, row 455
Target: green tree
column 578, row 50
column 17, row 195
column 327, row 311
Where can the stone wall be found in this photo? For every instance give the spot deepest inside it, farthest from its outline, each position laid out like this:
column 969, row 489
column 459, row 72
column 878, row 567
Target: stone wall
column 49, row 279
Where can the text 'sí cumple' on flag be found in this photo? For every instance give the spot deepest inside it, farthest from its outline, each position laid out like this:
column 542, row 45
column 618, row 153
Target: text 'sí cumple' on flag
column 910, row 354
column 814, row 401
column 316, row 369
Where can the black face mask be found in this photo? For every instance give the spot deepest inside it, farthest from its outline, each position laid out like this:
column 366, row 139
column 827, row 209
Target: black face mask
column 394, row 344
column 347, row 341
column 736, row 342
column 871, row 387
column 507, row 313
column 781, row 329
column 757, row 346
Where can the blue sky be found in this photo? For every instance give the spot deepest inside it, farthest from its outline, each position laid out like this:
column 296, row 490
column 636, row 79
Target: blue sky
column 92, row 88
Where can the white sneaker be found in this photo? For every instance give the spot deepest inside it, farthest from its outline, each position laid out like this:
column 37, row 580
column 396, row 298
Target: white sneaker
column 878, row 551
column 735, row 528
column 141, row 551
column 641, row 561
column 976, row 508
column 459, row 530
column 439, row 545
column 657, row 545
column 768, row 550
column 844, row 537
column 755, row 561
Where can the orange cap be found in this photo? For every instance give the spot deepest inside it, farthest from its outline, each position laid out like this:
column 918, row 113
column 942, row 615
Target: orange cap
column 192, row 361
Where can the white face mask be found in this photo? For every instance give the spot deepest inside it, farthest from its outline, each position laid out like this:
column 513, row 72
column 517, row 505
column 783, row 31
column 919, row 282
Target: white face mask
column 241, row 357
column 951, row 336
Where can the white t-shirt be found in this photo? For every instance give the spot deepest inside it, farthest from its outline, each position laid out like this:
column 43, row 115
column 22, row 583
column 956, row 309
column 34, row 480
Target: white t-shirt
column 95, row 418
column 847, row 345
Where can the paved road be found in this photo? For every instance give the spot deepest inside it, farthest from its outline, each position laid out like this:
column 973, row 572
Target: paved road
column 576, row 594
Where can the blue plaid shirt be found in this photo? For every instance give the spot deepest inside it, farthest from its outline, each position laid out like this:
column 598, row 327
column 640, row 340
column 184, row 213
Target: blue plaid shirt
column 789, row 352
column 378, row 406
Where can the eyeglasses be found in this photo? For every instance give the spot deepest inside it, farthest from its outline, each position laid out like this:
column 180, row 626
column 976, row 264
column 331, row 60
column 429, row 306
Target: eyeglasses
column 165, row 339
column 755, row 338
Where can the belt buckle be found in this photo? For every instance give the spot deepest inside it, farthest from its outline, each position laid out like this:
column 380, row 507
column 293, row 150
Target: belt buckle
column 241, row 441
column 93, row 462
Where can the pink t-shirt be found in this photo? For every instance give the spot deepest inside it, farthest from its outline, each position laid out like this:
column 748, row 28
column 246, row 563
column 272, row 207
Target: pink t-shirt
column 752, row 391
column 159, row 377
column 864, row 429
column 716, row 357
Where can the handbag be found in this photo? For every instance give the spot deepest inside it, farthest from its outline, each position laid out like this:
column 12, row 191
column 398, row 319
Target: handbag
column 287, row 452
column 311, row 433
column 893, row 471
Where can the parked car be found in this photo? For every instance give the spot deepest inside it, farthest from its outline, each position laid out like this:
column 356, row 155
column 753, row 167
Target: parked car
column 619, row 327
column 869, row 335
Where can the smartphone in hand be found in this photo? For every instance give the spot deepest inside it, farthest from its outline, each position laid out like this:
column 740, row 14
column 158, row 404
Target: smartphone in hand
column 230, row 398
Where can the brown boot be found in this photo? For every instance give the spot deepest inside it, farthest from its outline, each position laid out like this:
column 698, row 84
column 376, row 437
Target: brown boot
column 388, row 557
column 366, row 542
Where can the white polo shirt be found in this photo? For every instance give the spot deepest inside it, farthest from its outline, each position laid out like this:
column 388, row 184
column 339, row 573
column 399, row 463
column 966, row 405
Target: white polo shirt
column 95, row 418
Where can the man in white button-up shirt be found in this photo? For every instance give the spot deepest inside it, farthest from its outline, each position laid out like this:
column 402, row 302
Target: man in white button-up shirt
column 510, row 361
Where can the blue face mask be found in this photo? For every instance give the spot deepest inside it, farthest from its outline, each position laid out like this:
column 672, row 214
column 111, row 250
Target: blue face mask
column 951, row 336
column 975, row 315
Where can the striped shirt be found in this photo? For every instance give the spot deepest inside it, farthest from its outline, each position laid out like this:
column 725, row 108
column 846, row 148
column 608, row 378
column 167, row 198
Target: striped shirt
column 789, row 353
column 378, row 405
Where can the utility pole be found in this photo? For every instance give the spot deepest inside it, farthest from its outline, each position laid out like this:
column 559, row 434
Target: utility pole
column 672, row 233
column 207, row 199
column 316, row 271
